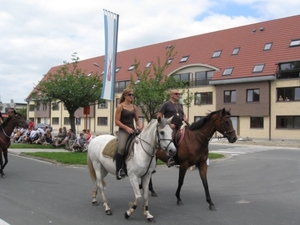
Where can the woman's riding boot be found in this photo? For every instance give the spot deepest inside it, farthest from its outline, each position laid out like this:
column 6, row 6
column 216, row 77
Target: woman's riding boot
column 119, row 171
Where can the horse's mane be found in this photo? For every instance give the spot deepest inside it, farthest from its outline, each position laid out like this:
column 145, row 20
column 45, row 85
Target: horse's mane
column 200, row 123
column 163, row 120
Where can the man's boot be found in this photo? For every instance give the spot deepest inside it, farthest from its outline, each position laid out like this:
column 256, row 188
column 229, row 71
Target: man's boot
column 119, row 171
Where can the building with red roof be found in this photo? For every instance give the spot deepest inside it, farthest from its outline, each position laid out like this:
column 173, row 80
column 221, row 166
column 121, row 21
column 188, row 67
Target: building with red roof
column 245, row 69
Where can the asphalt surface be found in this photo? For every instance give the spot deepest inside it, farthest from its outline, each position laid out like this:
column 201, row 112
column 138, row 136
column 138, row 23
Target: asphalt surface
column 252, row 185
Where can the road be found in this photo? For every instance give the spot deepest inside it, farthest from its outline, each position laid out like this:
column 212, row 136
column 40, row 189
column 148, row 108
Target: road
column 252, row 185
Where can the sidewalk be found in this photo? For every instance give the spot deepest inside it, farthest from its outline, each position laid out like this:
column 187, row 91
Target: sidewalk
column 18, row 151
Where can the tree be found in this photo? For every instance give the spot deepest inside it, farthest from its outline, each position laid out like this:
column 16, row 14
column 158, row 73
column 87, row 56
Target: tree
column 152, row 87
column 71, row 86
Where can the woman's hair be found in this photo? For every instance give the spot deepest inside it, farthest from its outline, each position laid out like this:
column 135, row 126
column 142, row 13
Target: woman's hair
column 125, row 92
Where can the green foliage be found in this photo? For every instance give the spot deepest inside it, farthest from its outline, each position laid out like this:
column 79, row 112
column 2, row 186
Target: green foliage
column 71, row 86
column 151, row 86
column 78, row 158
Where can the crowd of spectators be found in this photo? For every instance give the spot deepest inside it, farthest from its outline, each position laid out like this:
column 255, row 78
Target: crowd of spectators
column 43, row 136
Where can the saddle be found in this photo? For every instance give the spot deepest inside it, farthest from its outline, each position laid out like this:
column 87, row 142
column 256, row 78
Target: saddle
column 110, row 149
column 178, row 136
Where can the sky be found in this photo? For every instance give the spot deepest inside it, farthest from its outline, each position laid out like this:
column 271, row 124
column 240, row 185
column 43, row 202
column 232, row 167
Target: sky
column 36, row 35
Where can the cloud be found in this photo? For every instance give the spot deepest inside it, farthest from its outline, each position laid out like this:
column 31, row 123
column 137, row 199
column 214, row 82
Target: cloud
column 37, row 35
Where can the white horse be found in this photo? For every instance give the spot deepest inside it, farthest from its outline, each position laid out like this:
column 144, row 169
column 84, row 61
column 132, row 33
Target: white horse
column 140, row 161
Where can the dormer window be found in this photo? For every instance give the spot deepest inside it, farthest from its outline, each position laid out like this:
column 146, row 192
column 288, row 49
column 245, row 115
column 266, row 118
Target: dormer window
column 258, row 68
column 170, row 60
column 235, row 51
column 295, row 43
column 227, row 71
column 216, row 54
column 184, row 59
column 268, row 46
column 131, row 67
column 148, row 64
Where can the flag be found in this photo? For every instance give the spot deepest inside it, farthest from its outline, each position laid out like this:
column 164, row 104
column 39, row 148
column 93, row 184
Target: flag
column 111, row 21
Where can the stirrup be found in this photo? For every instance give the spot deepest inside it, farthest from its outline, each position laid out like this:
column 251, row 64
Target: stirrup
column 170, row 162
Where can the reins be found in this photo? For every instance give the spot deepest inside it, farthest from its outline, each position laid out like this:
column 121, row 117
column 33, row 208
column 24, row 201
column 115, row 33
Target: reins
column 153, row 147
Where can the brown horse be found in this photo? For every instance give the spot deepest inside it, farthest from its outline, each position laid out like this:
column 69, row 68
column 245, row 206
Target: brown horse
column 6, row 129
column 193, row 149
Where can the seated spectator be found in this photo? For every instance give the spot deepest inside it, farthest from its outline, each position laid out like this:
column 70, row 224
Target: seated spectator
column 41, row 140
column 88, row 135
column 34, row 135
column 79, row 143
column 48, row 137
column 65, row 142
column 62, row 133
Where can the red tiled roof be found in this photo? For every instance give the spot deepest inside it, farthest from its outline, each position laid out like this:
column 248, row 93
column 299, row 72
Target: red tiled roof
column 200, row 49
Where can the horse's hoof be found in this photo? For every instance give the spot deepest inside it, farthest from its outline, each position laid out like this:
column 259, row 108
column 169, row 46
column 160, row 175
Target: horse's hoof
column 151, row 220
column 108, row 212
column 126, row 216
column 153, row 194
column 95, row 203
column 179, row 202
column 212, row 208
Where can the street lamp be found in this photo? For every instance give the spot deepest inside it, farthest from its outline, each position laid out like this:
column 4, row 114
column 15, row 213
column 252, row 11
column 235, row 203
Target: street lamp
column 97, row 65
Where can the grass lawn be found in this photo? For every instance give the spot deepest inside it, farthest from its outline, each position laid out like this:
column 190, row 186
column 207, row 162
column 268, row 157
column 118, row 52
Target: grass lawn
column 70, row 158
column 79, row 158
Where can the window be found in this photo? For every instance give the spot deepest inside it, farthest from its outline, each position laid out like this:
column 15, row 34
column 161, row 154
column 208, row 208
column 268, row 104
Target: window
column 44, row 107
column 268, row 46
column 288, row 70
column 66, row 121
column 184, row 59
column 38, row 107
column 258, row 68
column 102, row 104
column 121, row 85
column 131, row 67
column 203, row 98
column 203, row 77
column 235, row 51
column 229, row 96
column 227, row 71
column 77, row 120
column 184, row 78
column 288, row 122
column 253, row 95
column 102, row 121
column 288, row 94
column 216, row 54
column 169, row 60
column 117, row 69
column 55, row 106
column 256, row 122
column 295, row 43
column 117, row 102
column 31, row 107
column 55, row 120
column 148, row 64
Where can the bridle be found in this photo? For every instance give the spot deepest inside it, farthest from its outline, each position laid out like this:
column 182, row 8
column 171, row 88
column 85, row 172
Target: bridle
column 14, row 124
column 154, row 148
column 225, row 133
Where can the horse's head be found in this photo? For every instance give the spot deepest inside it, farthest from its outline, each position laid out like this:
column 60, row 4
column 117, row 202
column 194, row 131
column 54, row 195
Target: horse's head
column 18, row 120
column 225, row 126
column 164, row 136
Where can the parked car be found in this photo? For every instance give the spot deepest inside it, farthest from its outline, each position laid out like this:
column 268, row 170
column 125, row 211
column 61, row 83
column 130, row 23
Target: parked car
column 41, row 125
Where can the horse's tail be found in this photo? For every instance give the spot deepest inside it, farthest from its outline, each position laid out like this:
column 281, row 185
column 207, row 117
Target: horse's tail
column 92, row 171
